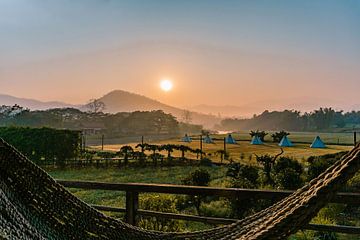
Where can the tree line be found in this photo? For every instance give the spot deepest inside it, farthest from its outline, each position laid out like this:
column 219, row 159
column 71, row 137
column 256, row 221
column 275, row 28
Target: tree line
column 44, row 144
column 120, row 124
column 292, row 120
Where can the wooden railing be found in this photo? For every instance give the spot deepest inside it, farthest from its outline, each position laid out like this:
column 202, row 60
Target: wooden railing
column 132, row 191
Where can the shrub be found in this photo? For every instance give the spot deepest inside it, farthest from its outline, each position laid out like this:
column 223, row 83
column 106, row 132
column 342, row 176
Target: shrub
column 243, row 176
column 160, row 203
column 319, row 164
column 258, row 133
column 277, row 136
column 199, row 177
column 287, row 173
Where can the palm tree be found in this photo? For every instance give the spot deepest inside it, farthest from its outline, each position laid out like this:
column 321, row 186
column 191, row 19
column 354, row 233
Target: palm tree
column 142, row 146
column 142, row 156
column 126, row 151
column 198, row 151
column 183, row 149
column 153, row 148
column 169, row 148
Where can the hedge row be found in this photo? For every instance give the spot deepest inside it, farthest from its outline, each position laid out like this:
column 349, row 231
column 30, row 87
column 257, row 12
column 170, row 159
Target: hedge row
column 40, row 144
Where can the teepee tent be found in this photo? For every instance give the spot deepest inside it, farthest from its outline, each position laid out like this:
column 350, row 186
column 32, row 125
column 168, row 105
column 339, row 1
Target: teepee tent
column 318, row 143
column 230, row 140
column 256, row 140
column 186, row 138
column 285, row 142
column 208, row 139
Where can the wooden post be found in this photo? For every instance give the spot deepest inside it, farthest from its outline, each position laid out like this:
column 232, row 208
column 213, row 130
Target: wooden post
column 224, row 144
column 355, row 138
column 132, row 202
column 142, row 140
column 201, row 147
column 102, row 142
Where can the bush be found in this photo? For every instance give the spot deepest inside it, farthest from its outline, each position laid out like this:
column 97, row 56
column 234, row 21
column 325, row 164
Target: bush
column 199, row 177
column 206, row 162
column 277, row 136
column 260, row 134
column 44, row 143
column 319, row 164
column 243, row 176
column 160, row 203
column 287, row 173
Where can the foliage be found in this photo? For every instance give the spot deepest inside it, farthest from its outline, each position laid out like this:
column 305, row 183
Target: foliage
column 318, row 164
column 206, row 162
column 258, row 133
column 160, row 203
column 137, row 123
column 243, row 176
column 287, row 173
column 320, row 119
column 277, row 136
column 199, row 177
column 40, row 144
column 267, row 162
column 95, row 106
column 126, row 151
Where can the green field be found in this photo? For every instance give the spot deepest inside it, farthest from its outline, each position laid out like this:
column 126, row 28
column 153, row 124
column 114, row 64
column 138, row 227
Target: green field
column 244, row 151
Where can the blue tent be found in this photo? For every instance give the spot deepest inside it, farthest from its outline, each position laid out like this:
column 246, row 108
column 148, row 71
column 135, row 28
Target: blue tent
column 256, row 140
column 318, row 143
column 230, row 140
column 207, row 139
column 285, row 142
column 186, row 138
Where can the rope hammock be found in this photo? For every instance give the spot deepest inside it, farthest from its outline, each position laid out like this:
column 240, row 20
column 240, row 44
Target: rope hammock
column 34, row 206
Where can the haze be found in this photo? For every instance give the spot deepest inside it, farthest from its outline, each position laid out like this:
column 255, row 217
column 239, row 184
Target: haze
column 265, row 54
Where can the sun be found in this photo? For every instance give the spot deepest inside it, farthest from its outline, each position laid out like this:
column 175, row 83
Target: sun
column 166, row 85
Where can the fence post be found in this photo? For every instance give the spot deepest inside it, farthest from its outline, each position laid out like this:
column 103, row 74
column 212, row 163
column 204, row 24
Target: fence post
column 201, row 148
column 355, row 138
column 132, row 202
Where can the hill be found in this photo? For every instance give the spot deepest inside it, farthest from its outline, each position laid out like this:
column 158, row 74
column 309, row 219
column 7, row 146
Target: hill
column 32, row 103
column 123, row 101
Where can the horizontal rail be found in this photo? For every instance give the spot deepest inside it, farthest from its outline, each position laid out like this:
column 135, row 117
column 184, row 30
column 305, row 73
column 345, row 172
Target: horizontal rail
column 348, row 198
column 216, row 220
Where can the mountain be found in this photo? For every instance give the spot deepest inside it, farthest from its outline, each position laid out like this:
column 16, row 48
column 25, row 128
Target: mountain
column 304, row 104
column 123, row 101
column 31, row 103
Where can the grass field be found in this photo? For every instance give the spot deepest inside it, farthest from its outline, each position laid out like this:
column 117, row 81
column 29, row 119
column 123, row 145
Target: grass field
column 169, row 175
column 244, row 151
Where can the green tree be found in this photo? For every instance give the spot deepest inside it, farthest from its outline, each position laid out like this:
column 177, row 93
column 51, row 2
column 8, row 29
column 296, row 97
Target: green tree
column 199, row 177
column 126, row 152
column 277, row 136
column 267, row 162
column 287, row 173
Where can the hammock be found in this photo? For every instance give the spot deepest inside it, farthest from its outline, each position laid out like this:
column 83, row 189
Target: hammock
column 35, row 206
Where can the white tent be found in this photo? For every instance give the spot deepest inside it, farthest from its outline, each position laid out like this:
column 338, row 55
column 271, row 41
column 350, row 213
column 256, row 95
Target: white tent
column 256, row 140
column 230, row 140
column 285, row 142
column 208, row 139
column 186, row 138
column 318, row 143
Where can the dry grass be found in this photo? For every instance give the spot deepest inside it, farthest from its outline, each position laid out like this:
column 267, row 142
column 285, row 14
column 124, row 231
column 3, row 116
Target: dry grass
column 244, row 151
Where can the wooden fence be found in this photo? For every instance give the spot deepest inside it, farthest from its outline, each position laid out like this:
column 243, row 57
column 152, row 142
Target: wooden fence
column 132, row 191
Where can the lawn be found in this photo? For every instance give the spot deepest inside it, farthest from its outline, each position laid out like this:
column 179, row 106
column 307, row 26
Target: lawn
column 243, row 151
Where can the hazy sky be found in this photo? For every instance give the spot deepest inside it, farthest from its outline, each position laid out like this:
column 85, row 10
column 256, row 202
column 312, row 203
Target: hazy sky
column 216, row 52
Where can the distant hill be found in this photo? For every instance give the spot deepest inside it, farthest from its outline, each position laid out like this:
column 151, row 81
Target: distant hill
column 31, row 103
column 116, row 101
column 123, row 101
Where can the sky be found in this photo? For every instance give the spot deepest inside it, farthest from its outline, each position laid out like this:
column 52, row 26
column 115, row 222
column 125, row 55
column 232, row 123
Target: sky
column 270, row 53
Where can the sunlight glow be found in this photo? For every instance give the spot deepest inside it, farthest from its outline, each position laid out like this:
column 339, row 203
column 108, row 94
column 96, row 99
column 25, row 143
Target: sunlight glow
column 166, row 85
